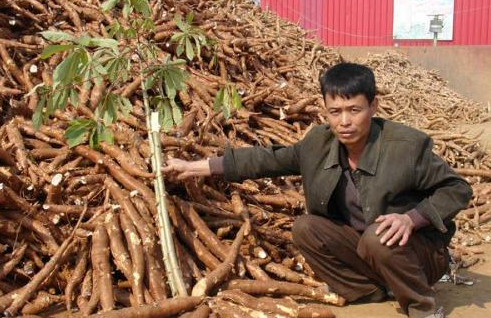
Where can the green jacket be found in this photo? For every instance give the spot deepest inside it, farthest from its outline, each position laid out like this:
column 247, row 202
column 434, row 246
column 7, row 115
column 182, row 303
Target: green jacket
column 398, row 170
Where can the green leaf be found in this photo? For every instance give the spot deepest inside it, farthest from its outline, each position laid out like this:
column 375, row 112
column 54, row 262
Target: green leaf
column 103, row 42
column 53, row 49
column 148, row 82
column 114, row 28
column 110, row 109
column 226, row 111
column 98, row 79
column 83, row 40
column 77, row 131
column 226, row 98
column 74, row 97
column 60, row 98
column 176, row 113
column 37, row 117
column 93, row 139
column 167, row 121
column 177, row 62
column 170, row 90
column 109, row 4
column 106, row 135
column 57, row 36
column 66, row 70
column 87, row 84
column 130, row 33
column 148, row 25
column 189, row 17
column 218, row 103
column 125, row 106
column 127, row 10
column 141, row 6
column 179, row 49
column 236, row 100
column 198, row 46
column 176, row 36
column 179, row 23
column 189, row 50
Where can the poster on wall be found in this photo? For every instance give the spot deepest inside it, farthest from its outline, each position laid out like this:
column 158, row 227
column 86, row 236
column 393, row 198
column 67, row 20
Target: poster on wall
column 412, row 18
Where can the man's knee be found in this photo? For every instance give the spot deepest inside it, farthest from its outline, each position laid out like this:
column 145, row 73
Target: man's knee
column 302, row 229
column 315, row 232
column 369, row 246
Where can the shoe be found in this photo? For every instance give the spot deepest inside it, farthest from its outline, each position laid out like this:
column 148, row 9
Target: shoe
column 390, row 294
column 376, row 296
column 438, row 314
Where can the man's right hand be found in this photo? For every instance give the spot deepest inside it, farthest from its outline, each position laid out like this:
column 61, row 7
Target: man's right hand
column 186, row 169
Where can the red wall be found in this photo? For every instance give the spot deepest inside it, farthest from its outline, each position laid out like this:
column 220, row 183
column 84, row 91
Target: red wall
column 369, row 22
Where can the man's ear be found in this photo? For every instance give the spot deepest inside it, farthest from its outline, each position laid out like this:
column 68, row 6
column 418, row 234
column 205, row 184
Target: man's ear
column 374, row 106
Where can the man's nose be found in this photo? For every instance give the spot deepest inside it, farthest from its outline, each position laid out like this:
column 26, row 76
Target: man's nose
column 345, row 119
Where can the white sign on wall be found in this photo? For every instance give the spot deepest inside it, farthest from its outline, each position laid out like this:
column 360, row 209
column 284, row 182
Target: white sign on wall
column 412, row 18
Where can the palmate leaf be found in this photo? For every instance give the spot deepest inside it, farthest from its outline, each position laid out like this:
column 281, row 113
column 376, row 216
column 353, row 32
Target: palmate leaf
column 83, row 40
column 37, row 117
column 72, row 68
column 179, row 49
column 166, row 120
column 98, row 134
column 141, row 6
column 218, row 103
column 57, row 36
column 176, row 113
column 53, row 49
column 66, row 70
column 170, row 89
column 236, row 100
column 179, row 23
column 189, row 50
column 125, row 106
column 78, row 130
column 189, row 17
column 109, row 4
column 110, row 109
column 104, row 42
column 60, row 98
column 127, row 9
column 73, row 97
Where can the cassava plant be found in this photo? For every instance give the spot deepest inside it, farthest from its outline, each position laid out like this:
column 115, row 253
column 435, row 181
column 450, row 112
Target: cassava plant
column 111, row 62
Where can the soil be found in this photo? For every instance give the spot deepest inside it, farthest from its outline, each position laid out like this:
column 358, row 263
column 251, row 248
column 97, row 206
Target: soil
column 459, row 301
column 481, row 132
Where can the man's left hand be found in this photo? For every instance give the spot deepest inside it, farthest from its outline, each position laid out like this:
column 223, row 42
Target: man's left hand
column 400, row 227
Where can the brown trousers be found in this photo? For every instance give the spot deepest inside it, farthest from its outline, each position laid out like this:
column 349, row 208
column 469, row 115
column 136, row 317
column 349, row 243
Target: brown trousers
column 356, row 264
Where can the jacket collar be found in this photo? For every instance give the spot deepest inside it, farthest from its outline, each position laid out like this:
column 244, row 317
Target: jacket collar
column 369, row 157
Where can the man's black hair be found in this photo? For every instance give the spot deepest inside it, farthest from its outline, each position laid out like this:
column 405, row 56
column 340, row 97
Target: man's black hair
column 348, row 80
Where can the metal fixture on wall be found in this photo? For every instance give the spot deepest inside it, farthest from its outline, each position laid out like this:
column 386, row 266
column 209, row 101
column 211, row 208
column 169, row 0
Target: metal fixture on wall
column 436, row 26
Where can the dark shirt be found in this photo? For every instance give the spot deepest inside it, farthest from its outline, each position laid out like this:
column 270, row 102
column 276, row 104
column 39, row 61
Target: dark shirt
column 346, row 196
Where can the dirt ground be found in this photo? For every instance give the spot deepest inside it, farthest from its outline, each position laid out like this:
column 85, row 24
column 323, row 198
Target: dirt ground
column 459, row 301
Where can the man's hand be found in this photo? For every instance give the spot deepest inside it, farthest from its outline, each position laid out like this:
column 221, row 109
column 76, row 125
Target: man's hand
column 400, row 227
column 187, row 169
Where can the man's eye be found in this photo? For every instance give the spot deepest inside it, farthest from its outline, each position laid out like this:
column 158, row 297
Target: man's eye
column 355, row 110
column 334, row 112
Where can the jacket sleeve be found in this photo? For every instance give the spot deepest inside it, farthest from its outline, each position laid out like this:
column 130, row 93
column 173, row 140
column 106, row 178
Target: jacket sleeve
column 261, row 162
column 447, row 193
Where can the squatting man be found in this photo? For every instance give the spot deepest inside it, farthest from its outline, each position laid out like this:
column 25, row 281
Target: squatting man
column 380, row 203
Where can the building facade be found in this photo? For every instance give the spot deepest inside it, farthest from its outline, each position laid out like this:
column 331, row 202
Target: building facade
column 371, row 22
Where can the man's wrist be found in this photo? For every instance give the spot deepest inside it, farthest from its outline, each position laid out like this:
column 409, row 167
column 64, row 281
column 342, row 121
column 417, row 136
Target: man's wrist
column 200, row 168
column 216, row 165
column 418, row 220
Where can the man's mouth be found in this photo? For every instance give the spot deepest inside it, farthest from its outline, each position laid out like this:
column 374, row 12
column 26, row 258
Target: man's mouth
column 346, row 133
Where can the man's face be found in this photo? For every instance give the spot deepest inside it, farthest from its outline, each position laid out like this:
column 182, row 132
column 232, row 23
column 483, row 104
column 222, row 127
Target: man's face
column 350, row 118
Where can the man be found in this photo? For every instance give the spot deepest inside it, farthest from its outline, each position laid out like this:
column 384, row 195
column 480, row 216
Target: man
column 380, row 202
